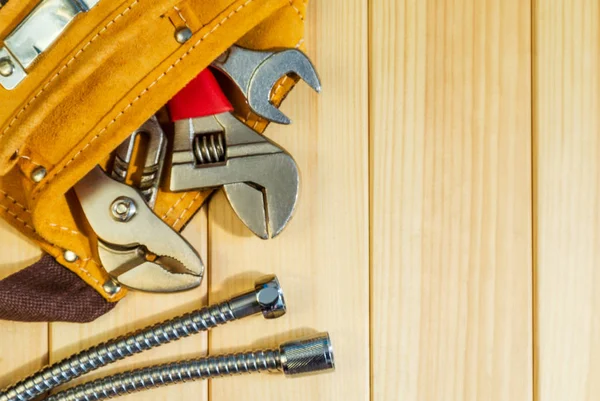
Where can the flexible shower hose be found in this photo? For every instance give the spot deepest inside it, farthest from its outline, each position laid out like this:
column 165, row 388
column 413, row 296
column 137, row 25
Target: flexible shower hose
column 266, row 297
column 313, row 355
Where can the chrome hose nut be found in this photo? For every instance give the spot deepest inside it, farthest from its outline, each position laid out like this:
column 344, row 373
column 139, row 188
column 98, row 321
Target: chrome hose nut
column 266, row 298
column 307, row 356
column 270, row 297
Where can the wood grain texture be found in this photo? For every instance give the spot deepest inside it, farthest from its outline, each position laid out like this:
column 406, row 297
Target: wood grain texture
column 567, row 145
column 136, row 311
column 322, row 257
column 438, row 125
column 451, row 200
column 23, row 346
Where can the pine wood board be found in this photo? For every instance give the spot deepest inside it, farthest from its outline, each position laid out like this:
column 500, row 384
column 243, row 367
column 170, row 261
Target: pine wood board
column 451, row 200
column 567, row 199
column 448, row 228
column 322, row 259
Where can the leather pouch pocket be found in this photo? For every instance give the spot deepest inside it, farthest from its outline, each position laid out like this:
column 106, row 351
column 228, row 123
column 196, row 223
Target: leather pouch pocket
column 113, row 68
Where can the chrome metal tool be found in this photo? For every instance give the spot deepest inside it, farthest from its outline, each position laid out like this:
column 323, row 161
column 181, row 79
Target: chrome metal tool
column 135, row 246
column 212, row 148
column 265, row 298
column 155, row 152
column 306, row 356
column 36, row 33
column 261, row 180
column 256, row 72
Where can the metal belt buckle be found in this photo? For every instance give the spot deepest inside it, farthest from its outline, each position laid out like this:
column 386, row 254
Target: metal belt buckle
column 34, row 35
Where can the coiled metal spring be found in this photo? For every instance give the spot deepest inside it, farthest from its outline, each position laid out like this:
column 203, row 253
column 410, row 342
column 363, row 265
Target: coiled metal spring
column 209, row 148
column 119, row 348
column 172, row 373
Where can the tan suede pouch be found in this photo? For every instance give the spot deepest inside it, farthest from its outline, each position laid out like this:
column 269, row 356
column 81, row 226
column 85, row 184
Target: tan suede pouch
column 113, row 68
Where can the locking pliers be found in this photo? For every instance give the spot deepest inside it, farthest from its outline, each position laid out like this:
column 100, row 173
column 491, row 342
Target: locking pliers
column 135, row 246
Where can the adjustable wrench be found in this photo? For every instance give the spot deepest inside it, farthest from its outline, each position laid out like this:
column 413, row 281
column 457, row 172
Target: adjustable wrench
column 261, row 180
column 255, row 73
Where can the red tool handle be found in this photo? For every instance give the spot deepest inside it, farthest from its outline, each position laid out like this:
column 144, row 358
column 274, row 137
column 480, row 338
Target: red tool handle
column 200, row 98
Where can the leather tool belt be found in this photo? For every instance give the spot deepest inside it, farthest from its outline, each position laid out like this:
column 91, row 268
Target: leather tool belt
column 72, row 92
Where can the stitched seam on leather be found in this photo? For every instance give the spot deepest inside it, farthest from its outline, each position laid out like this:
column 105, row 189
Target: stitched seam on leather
column 15, row 201
column 87, row 273
column 174, row 206
column 186, row 210
column 297, row 10
column 180, row 14
column 30, row 160
column 43, row 89
column 142, row 93
column 20, row 220
column 16, row 217
column 66, row 229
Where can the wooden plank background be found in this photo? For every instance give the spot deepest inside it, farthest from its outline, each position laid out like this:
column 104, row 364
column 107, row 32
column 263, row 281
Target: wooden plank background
column 451, row 200
column 567, row 199
column 448, row 234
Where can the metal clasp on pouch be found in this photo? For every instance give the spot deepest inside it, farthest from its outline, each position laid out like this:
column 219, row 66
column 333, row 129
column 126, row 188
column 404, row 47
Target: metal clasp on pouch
column 34, row 35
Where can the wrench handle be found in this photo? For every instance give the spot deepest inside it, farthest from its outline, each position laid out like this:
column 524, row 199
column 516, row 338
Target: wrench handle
column 200, row 98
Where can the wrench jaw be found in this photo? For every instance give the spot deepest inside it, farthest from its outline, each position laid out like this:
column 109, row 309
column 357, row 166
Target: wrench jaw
column 252, row 211
column 288, row 62
column 256, row 74
column 267, row 209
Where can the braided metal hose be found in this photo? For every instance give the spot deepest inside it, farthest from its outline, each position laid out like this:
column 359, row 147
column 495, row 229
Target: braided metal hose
column 266, row 297
column 313, row 355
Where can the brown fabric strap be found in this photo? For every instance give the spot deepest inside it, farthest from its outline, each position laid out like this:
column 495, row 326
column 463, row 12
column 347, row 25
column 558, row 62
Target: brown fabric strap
column 48, row 292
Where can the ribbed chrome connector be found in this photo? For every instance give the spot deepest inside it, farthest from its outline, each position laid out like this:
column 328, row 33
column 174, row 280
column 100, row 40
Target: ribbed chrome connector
column 265, row 298
column 308, row 356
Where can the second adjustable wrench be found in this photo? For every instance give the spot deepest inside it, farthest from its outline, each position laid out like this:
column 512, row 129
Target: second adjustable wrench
column 255, row 73
column 155, row 153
